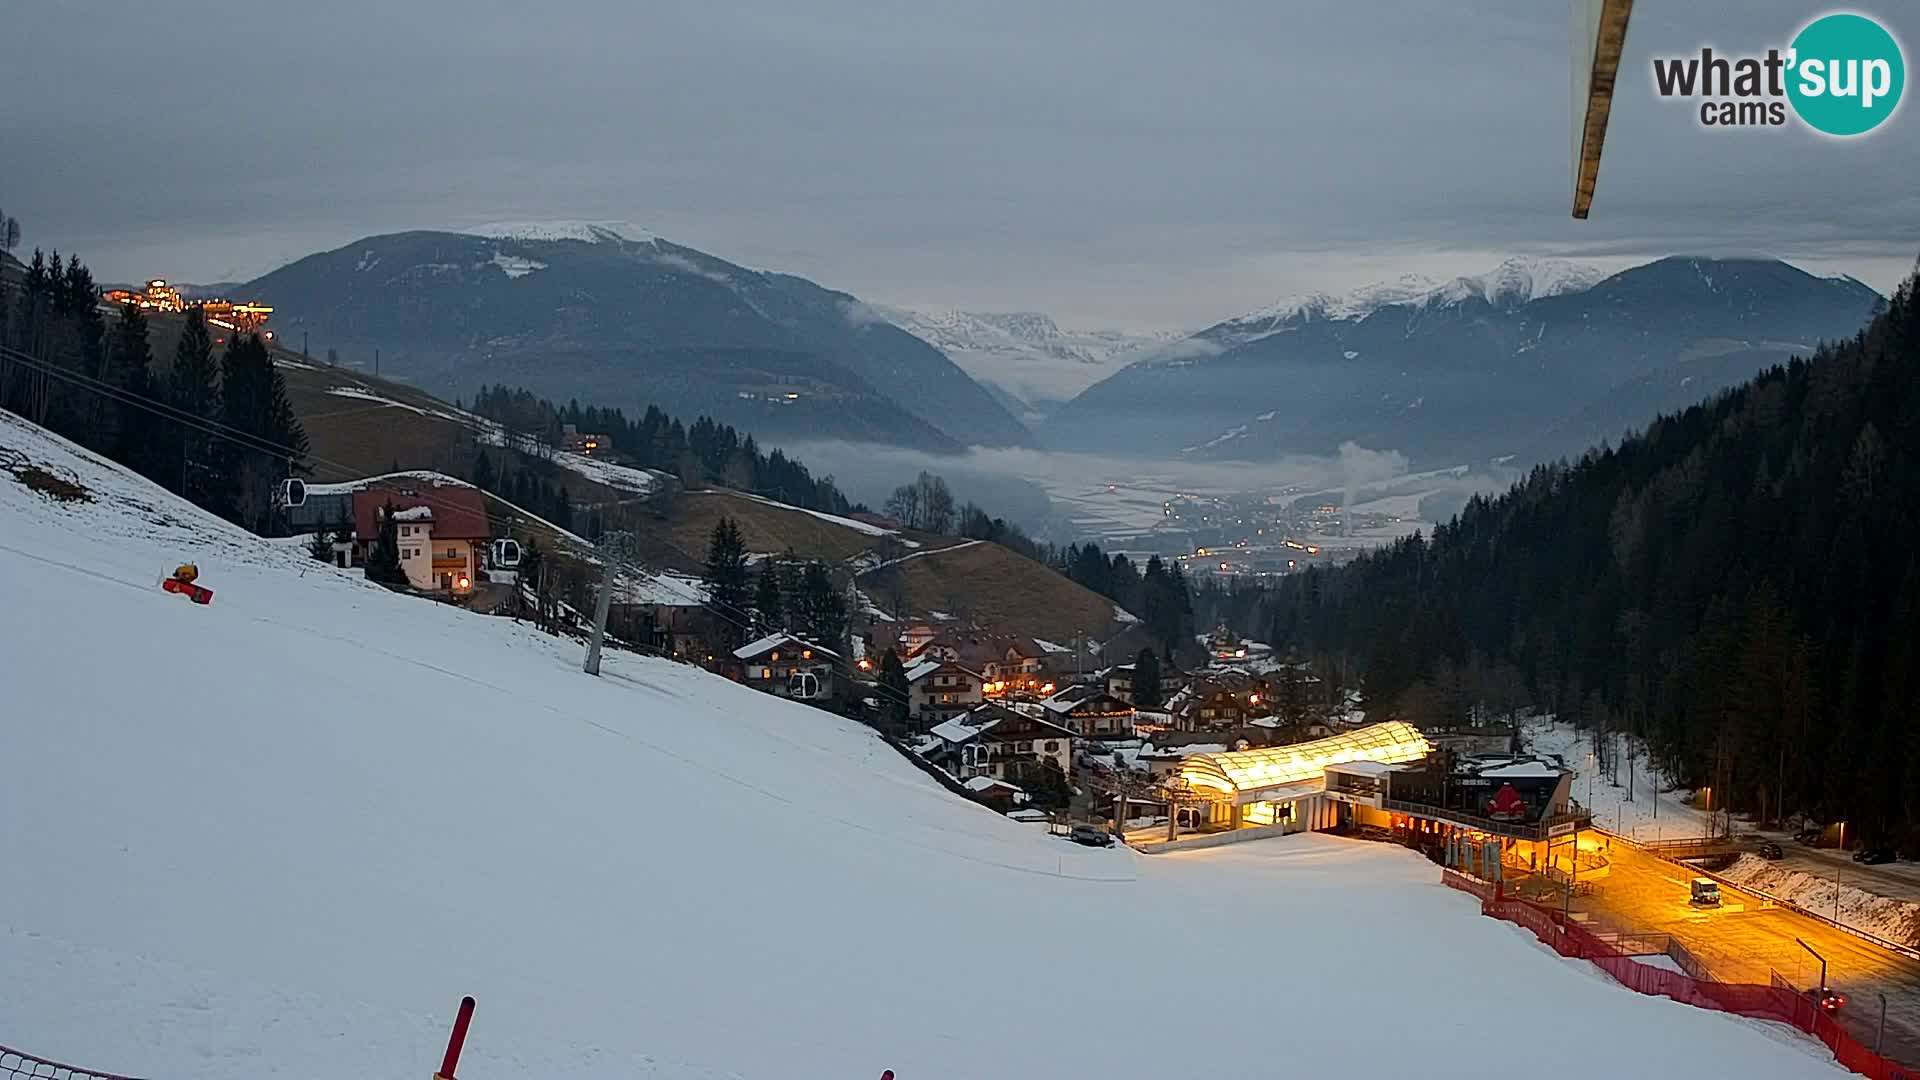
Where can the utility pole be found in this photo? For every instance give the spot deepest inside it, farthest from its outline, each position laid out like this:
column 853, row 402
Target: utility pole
column 1880, row 1039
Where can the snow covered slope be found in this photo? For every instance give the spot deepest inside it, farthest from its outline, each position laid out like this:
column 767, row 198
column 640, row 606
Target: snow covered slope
column 281, row 835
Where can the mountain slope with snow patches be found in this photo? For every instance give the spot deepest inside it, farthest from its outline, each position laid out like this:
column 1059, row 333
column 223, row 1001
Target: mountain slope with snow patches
column 1533, row 361
column 1025, row 353
column 280, row 835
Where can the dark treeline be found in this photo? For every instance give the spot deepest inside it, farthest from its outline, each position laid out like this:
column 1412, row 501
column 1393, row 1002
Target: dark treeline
column 798, row 596
column 700, row 454
column 1739, row 585
column 1158, row 593
column 218, row 430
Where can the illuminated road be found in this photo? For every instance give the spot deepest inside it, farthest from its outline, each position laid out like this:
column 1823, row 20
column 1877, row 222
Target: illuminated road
column 1745, row 938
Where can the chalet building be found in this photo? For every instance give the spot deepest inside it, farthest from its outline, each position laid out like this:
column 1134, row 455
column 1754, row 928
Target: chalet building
column 995, row 794
column 442, row 531
column 1120, row 682
column 996, row 742
column 1092, row 714
column 668, row 613
column 1218, row 700
column 787, row 666
column 938, row 691
column 576, row 441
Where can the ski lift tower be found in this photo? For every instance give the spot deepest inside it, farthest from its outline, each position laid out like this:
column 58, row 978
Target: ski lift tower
column 616, row 547
column 1599, row 36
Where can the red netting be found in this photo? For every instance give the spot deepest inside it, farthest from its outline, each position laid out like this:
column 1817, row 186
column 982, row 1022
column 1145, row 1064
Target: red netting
column 1780, row 1002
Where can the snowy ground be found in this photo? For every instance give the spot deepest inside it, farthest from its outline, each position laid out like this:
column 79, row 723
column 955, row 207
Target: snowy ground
column 1895, row 920
column 1647, row 815
column 281, row 835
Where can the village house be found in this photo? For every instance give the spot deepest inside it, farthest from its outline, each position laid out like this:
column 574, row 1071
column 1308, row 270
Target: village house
column 573, row 440
column 441, row 531
column 1018, row 664
column 995, row 794
column 996, row 742
column 787, row 666
column 938, row 691
column 1091, row 713
column 1217, row 700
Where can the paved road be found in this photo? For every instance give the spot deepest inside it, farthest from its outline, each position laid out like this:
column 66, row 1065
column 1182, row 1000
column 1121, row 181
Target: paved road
column 1746, row 938
column 1898, row 880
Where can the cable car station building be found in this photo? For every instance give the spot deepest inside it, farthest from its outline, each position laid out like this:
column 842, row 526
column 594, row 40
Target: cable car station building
column 1384, row 778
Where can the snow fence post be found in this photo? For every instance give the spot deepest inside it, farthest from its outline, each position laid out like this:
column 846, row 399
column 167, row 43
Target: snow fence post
column 456, row 1041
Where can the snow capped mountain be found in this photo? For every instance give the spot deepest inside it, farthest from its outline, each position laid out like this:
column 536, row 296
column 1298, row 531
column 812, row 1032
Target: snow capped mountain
column 1024, row 353
column 1535, row 357
column 591, row 232
column 1514, row 282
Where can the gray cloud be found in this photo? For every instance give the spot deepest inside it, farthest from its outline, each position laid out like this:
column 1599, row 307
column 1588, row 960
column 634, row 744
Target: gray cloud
column 1125, row 162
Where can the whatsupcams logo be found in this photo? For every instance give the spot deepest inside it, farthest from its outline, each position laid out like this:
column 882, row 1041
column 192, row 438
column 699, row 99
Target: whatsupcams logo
column 1841, row 75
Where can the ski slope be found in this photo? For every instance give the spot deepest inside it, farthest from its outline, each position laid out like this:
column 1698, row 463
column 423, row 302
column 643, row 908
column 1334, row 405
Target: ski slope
column 281, row 835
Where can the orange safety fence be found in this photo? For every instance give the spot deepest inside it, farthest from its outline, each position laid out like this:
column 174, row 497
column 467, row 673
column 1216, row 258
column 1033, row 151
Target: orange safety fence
column 1779, row 1002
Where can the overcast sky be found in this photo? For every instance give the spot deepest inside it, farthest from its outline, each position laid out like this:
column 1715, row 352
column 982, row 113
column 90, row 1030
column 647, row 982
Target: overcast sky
column 1114, row 162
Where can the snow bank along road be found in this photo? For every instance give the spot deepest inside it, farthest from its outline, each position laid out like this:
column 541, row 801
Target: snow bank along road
column 281, row 835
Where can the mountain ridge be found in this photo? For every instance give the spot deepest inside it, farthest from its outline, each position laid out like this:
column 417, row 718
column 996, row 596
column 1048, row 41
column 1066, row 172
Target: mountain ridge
column 1468, row 370
column 577, row 309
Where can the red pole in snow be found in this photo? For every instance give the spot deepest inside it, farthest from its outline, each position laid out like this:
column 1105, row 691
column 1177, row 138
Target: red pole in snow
column 456, row 1041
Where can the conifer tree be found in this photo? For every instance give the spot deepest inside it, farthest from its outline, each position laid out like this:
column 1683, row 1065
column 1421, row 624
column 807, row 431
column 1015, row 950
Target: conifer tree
column 728, row 591
column 1146, row 680
column 893, row 693
column 769, row 612
column 130, row 367
column 185, row 463
column 383, row 560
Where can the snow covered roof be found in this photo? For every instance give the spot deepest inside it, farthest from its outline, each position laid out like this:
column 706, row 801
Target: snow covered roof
column 927, row 667
column 988, row 783
column 958, row 730
column 458, row 512
column 1531, row 770
column 663, row 590
column 774, row 641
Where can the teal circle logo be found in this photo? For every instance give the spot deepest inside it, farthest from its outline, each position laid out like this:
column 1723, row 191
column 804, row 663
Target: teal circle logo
column 1847, row 74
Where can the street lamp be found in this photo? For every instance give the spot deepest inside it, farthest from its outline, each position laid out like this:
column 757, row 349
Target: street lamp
column 1823, row 963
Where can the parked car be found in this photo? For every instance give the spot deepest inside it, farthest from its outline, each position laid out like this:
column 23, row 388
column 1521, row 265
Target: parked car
column 1874, row 856
column 1827, row 998
column 1090, row 835
column 1769, row 850
column 1809, row 837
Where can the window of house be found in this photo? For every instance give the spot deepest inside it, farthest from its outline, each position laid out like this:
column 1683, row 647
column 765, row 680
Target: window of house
column 452, row 554
column 1052, row 745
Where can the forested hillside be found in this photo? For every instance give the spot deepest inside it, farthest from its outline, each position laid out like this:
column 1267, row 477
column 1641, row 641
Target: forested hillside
column 1739, row 584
